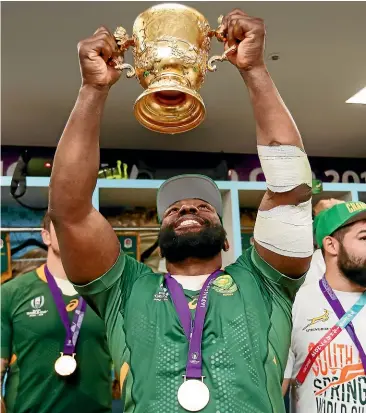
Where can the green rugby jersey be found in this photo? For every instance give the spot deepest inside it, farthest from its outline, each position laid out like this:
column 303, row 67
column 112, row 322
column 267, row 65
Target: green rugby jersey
column 245, row 340
column 32, row 335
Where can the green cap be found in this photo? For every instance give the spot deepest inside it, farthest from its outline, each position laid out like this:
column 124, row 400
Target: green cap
column 329, row 220
column 185, row 187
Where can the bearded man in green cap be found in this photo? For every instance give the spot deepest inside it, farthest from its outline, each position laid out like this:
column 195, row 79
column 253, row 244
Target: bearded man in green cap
column 327, row 360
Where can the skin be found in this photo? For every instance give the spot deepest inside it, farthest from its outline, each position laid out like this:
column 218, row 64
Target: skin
column 54, row 263
column 354, row 243
column 285, row 384
column 192, row 210
column 325, row 204
column 88, row 244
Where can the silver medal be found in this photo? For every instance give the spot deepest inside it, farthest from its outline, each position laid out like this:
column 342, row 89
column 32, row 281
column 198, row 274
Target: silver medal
column 193, row 395
column 65, row 365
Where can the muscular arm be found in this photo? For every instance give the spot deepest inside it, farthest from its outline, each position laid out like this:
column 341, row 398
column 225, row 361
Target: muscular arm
column 285, row 385
column 283, row 235
column 274, row 123
column 88, row 244
column 275, row 126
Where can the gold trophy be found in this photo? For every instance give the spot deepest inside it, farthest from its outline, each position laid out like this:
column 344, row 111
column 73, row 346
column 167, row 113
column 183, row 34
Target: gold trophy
column 170, row 44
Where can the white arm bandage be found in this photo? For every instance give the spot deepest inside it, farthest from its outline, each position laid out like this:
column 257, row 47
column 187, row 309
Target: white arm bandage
column 285, row 167
column 287, row 229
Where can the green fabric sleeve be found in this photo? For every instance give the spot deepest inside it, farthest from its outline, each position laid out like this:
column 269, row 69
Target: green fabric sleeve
column 108, row 296
column 6, row 323
column 289, row 286
column 115, row 285
column 278, row 292
column 274, row 282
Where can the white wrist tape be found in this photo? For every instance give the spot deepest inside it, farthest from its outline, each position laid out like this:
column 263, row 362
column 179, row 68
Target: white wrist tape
column 285, row 167
column 286, row 230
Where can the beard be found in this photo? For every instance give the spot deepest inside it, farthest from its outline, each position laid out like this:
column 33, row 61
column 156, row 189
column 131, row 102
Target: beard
column 353, row 268
column 204, row 244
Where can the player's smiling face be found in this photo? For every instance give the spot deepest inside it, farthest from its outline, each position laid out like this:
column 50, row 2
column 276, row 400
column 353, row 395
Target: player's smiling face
column 190, row 215
column 191, row 228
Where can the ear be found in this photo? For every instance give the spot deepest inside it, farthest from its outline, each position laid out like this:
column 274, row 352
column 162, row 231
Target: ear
column 226, row 245
column 46, row 238
column 159, row 252
column 331, row 245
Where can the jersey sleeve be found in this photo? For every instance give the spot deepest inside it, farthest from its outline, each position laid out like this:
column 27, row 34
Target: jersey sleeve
column 108, row 296
column 6, row 322
column 273, row 280
column 278, row 292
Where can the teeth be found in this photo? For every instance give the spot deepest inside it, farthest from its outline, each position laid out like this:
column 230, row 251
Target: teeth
column 188, row 222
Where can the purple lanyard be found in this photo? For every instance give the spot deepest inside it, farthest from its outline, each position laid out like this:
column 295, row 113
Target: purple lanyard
column 73, row 330
column 333, row 301
column 192, row 329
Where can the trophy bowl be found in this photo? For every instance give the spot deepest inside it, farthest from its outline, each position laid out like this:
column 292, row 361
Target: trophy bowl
column 170, row 44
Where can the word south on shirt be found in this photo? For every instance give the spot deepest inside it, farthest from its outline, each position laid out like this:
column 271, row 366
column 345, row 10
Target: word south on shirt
column 336, row 382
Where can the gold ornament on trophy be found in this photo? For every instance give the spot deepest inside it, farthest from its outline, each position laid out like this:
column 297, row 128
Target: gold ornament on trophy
column 170, row 44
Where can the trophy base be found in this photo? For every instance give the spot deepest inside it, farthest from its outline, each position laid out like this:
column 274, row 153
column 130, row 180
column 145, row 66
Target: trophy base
column 170, row 109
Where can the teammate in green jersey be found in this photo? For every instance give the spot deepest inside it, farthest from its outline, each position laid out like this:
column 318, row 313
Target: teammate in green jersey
column 243, row 313
column 33, row 335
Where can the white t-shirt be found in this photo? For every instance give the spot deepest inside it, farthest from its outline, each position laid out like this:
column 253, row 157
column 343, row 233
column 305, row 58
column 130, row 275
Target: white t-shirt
column 191, row 282
column 336, row 382
column 65, row 286
column 317, row 268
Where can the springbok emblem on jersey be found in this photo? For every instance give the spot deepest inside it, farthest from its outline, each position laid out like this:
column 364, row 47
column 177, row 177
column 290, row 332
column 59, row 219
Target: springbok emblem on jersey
column 324, row 317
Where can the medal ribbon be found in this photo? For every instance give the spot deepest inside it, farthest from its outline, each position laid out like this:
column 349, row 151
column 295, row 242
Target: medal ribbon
column 73, row 330
column 334, row 302
column 193, row 329
column 329, row 337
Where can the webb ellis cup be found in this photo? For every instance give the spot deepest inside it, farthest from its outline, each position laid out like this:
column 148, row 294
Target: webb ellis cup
column 170, row 44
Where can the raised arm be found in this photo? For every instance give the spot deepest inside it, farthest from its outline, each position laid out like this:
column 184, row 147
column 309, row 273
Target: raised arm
column 88, row 244
column 283, row 231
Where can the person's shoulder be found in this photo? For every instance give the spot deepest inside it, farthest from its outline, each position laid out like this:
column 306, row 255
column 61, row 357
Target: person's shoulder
column 18, row 289
column 136, row 266
column 307, row 296
column 243, row 263
column 308, row 290
column 21, row 283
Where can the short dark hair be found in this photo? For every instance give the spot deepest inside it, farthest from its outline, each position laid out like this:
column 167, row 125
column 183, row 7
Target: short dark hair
column 46, row 222
column 339, row 235
column 341, row 232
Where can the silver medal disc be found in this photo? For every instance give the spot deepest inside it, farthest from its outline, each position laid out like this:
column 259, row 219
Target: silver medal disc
column 65, row 365
column 193, row 395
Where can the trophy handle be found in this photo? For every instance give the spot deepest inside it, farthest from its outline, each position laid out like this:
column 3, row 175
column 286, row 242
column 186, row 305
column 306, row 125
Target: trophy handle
column 218, row 33
column 221, row 38
column 220, row 58
column 124, row 41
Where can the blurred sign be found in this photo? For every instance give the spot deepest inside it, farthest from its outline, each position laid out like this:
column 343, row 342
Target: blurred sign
column 130, row 243
column 246, row 240
column 245, row 167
